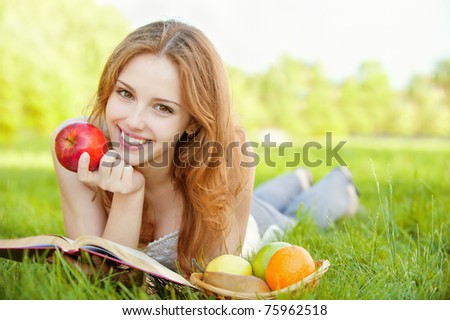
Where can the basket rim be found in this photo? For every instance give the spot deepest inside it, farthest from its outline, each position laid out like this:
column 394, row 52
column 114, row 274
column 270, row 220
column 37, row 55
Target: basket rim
column 322, row 267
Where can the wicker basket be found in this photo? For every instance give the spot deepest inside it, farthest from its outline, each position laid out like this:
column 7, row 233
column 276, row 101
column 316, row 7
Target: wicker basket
column 307, row 283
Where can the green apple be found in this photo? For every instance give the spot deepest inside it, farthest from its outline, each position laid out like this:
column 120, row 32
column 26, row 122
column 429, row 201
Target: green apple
column 229, row 263
column 262, row 257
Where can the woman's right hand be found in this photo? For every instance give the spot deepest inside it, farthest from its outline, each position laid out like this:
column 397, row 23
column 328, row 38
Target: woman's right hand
column 113, row 174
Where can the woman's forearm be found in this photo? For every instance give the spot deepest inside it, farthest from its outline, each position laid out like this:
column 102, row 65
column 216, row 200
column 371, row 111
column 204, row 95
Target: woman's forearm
column 125, row 217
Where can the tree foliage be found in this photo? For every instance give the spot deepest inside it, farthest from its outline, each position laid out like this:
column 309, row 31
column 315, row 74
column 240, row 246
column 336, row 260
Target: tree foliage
column 51, row 56
column 299, row 99
column 52, row 53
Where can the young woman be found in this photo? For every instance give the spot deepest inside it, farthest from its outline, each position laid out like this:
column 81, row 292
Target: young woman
column 174, row 183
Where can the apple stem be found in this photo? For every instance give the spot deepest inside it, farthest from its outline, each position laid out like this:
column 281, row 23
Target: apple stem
column 70, row 140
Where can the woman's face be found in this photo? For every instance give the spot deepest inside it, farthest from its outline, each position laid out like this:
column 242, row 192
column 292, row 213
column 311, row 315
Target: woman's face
column 144, row 115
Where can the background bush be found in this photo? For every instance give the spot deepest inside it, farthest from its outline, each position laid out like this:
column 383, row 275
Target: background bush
column 52, row 53
column 51, row 56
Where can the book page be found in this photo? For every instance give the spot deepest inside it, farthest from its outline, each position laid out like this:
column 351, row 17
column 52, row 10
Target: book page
column 39, row 242
column 15, row 248
column 128, row 256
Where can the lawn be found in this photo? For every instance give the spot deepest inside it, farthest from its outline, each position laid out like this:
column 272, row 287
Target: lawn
column 396, row 247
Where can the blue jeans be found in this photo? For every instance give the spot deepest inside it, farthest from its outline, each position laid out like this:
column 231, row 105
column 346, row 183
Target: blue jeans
column 278, row 200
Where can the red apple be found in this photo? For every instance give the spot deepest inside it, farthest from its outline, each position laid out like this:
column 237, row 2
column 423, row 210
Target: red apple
column 75, row 139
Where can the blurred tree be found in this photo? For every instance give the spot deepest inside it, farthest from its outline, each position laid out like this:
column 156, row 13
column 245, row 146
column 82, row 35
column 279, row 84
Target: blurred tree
column 441, row 78
column 442, row 82
column 52, row 53
column 349, row 104
column 300, row 100
column 375, row 98
column 432, row 112
column 245, row 94
column 51, row 56
column 278, row 92
column 274, row 99
column 321, row 114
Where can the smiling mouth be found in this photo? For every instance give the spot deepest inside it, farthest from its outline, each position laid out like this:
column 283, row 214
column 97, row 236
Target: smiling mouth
column 133, row 141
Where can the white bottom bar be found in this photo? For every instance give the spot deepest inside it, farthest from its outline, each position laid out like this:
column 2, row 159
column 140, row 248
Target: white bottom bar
column 253, row 309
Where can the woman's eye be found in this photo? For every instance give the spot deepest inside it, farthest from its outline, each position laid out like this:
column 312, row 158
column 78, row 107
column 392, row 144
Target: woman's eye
column 163, row 108
column 125, row 94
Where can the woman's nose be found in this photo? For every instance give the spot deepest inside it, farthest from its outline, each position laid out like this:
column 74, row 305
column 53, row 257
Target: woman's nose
column 135, row 119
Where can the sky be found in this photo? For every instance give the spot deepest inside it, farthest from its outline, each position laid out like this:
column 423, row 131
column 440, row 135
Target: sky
column 407, row 37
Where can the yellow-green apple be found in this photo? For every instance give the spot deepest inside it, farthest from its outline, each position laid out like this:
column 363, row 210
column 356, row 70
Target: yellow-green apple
column 75, row 139
column 229, row 263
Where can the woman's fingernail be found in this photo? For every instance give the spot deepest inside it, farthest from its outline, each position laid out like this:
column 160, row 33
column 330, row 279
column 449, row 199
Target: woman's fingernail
column 84, row 157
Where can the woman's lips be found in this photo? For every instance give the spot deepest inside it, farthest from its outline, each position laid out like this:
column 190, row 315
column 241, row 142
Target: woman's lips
column 129, row 141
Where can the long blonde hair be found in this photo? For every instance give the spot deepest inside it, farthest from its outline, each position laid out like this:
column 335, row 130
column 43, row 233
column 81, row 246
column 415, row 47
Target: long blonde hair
column 208, row 189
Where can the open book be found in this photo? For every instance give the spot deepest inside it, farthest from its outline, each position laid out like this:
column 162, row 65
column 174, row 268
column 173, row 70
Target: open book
column 17, row 249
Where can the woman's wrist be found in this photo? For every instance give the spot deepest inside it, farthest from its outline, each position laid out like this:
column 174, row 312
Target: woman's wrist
column 132, row 200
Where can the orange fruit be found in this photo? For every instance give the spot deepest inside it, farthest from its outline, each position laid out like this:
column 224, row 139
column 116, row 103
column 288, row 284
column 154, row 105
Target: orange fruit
column 287, row 266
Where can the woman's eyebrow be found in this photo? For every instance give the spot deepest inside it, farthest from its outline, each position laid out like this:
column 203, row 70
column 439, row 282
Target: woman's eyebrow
column 168, row 101
column 126, row 85
column 129, row 87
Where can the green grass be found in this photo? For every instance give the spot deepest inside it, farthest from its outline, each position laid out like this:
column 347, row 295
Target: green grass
column 396, row 247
